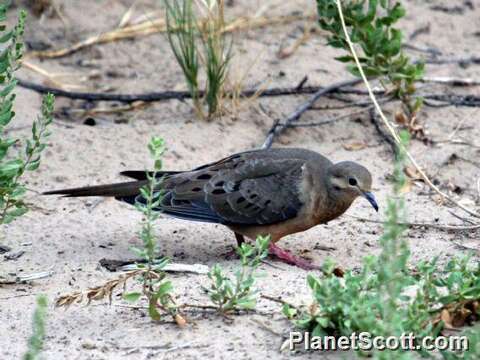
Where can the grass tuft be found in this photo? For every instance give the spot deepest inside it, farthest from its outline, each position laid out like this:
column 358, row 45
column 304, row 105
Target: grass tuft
column 200, row 44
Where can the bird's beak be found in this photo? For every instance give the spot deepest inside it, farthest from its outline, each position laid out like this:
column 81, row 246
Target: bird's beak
column 371, row 199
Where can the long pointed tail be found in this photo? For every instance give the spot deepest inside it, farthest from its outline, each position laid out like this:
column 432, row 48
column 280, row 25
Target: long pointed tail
column 119, row 190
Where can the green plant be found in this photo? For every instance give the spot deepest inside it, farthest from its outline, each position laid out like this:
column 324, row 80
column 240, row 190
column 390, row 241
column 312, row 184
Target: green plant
column 194, row 42
column 150, row 272
column 473, row 352
column 35, row 343
column 155, row 287
column 13, row 166
column 181, row 32
column 370, row 24
column 216, row 52
column 229, row 294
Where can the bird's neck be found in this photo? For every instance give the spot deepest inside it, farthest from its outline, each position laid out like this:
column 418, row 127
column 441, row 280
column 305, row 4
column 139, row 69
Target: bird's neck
column 338, row 203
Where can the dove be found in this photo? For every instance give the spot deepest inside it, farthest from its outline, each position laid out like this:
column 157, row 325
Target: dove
column 275, row 192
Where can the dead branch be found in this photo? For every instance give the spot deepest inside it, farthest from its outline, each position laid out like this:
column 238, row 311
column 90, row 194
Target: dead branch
column 455, row 100
column 329, row 121
column 277, row 128
column 164, row 95
column 451, row 81
column 462, row 61
column 380, row 127
column 424, row 225
column 446, row 99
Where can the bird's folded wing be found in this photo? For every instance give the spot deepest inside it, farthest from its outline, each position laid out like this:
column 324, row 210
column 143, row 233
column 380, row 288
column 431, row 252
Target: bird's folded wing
column 236, row 190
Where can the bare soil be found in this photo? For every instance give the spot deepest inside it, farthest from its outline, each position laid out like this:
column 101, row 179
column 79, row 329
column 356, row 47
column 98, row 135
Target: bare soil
column 70, row 236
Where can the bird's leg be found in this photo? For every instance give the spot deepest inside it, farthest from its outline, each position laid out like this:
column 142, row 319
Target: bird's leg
column 240, row 240
column 289, row 258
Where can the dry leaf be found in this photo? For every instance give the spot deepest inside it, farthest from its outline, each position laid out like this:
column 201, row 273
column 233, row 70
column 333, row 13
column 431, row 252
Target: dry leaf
column 446, row 318
column 460, row 317
column 355, row 146
column 412, row 173
column 400, row 118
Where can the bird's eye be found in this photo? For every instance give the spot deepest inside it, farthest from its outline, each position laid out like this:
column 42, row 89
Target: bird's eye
column 352, row 181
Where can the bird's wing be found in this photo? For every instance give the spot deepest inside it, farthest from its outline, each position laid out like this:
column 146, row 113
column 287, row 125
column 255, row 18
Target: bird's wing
column 236, row 190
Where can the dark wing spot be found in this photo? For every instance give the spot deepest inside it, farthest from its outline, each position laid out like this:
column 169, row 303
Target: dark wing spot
column 218, row 191
column 220, row 183
column 248, row 206
column 196, row 189
column 204, row 177
column 236, row 187
column 267, row 202
column 240, row 200
column 253, row 196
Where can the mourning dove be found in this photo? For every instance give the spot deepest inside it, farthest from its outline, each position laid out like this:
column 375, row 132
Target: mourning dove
column 260, row 192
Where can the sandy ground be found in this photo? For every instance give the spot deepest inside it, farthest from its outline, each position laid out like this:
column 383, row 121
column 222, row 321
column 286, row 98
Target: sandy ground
column 70, row 236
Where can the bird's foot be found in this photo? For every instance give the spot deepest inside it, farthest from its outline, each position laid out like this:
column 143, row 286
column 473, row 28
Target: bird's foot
column 289, row 258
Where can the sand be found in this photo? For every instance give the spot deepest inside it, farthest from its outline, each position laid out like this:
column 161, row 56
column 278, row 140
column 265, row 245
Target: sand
column 70, row 236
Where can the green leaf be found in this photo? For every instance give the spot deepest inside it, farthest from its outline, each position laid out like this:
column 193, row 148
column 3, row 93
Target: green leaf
column 8, row 88
column 11, row 168
column 246, row 303
column 288, row 311
column 164, row 288
column 152, row 309
column 132, row 296
column 345, row 59
column 33, row 165
column 5, row 117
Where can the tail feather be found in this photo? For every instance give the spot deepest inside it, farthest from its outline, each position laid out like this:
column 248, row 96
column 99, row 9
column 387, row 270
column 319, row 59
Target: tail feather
column 142, row 175
column 116, row 190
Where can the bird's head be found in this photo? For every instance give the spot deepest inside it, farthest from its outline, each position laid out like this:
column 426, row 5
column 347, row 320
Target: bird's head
column 348, row 180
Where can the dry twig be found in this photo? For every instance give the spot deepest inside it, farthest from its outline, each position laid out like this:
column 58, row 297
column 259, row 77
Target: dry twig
column 277, row 128
column 153, row 26
column 425, row 225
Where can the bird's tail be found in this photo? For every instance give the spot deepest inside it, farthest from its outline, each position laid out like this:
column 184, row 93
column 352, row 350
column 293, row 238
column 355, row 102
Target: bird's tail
column 119, row 190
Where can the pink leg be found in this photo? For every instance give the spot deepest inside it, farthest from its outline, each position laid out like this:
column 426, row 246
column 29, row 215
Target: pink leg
column 289, row 258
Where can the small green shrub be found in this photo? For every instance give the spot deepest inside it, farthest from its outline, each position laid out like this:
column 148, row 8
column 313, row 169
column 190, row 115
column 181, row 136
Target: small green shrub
column 371, row 26
column 155, row 287
column 230, row 294
column 14, row 164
